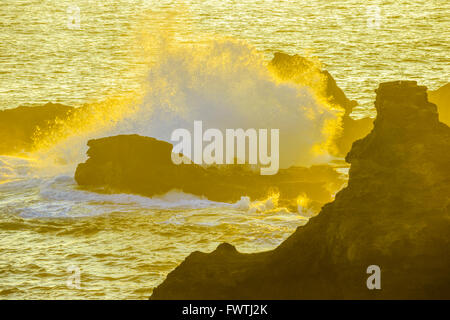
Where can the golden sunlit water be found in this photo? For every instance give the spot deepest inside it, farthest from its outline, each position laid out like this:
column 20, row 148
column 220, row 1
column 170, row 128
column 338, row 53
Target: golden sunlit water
column 124, row 59
column 123, row 245
column 360, row 42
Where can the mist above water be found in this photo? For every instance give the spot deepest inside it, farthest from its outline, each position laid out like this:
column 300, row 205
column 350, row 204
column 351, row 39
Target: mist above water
column 224, row 83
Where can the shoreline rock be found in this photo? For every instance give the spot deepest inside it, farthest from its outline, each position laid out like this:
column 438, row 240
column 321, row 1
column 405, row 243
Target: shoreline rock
column 18, row 125
column 394, row 213
column 143, row 165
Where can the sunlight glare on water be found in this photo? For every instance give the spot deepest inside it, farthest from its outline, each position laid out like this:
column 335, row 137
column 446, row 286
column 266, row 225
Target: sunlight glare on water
column 360, row 42
column 125, row 245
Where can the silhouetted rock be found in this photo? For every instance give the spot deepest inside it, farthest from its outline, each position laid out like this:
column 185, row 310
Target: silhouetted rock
column 304, row 71
column 394, row 213
column 18, row 125
column 441, row 97
column 143, row 165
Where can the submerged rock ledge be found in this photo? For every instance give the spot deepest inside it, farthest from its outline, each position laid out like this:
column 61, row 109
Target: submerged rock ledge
column 394, row 213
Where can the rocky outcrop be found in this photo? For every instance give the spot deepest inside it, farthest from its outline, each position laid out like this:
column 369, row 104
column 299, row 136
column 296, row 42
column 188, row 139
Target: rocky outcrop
column 19, row 125
column 394, row 213
column 441, row 97
column 143, row 165
column 305, row 72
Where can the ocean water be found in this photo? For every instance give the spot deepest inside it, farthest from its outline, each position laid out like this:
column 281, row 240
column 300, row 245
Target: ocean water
column 124, row 245
column 46, row 56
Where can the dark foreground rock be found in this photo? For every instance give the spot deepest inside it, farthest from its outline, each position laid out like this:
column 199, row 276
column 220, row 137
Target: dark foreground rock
column 394, row 213
column 143, row 165
column 303, row 71
column 441, row 97
column 19, row 125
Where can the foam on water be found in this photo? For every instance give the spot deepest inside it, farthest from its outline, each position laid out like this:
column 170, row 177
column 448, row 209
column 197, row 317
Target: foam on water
column 117, row 240
column 59, row 196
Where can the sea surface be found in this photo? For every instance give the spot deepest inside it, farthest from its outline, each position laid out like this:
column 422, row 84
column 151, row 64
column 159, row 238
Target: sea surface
column 46, row 55
column 122, row 245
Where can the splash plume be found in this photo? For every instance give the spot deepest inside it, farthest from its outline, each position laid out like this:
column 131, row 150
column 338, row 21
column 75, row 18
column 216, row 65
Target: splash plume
column 225, row 83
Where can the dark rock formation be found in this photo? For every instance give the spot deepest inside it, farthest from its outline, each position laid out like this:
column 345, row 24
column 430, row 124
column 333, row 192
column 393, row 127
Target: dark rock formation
column 303, row 71
column 441, row 97
column 394, row 213
column 143, row 165
column 18, row 125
